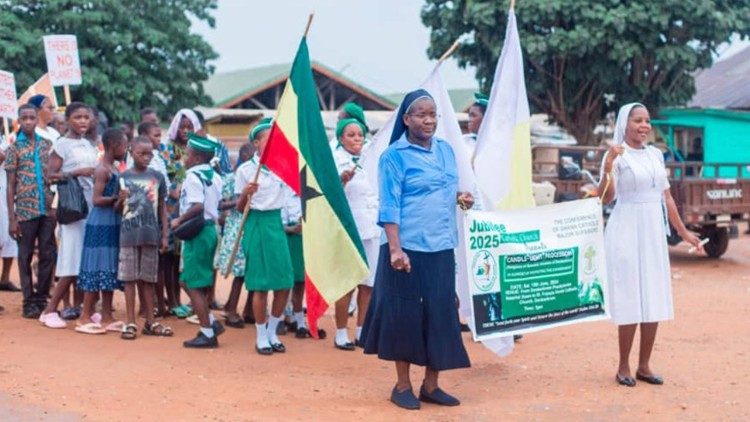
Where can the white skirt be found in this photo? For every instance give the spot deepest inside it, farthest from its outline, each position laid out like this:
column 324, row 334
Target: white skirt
column 71, row 248
column 372, row 251
column 640, row 288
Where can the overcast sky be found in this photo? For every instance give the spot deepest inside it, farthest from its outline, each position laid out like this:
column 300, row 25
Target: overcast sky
column 380, row 43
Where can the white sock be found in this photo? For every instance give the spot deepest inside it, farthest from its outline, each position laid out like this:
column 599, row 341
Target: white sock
column 211, row 318
column 358, row 332
column 208, row 332
column 273, row 322
column 261, row 336
column 299, row 317
column 342, row 336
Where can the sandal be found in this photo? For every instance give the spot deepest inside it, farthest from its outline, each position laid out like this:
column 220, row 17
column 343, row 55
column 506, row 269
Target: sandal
column 129, row 332
column 115, row 326
column 179, row 312
column 157, row 329
column 90, row 328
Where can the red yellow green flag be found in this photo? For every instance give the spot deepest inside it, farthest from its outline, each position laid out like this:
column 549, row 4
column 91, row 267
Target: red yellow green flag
column 299, row 154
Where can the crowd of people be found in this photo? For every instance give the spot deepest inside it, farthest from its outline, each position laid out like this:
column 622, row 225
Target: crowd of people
column 93, row 210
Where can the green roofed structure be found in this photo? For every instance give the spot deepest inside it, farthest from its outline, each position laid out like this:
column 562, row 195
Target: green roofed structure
column 261, row 88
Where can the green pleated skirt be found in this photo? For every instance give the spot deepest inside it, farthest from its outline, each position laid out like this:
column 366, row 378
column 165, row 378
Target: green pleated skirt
column 198, row 258
column 268, row 265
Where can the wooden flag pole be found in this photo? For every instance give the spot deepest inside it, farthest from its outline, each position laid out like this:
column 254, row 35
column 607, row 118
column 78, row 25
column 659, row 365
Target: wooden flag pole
column 245, row 212
column 66, row 90
column 449, row 51
column 6, row 129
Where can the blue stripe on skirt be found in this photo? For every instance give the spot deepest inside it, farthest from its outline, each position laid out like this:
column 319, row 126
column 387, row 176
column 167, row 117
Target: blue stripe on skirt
column 412, row 316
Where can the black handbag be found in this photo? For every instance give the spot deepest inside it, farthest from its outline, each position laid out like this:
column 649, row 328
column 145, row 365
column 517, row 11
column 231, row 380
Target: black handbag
column 71, row 203
column 191, row 228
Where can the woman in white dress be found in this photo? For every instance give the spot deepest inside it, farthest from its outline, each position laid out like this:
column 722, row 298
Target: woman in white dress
column 363, row 201
column 635, row 239
column 72, row 156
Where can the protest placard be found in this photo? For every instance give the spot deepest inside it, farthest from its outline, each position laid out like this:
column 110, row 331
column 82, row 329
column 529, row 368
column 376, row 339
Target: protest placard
column 62, row 59
column 535, row 268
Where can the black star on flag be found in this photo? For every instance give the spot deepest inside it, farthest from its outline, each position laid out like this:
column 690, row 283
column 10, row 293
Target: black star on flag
column 308, row 192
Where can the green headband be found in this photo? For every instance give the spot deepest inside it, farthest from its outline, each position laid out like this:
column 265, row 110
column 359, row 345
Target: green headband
column 342, row 124
column 264, row 124
column 202, row 144
column 481, row 99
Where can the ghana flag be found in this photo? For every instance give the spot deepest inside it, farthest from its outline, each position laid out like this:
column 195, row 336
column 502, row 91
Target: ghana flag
column 298, row 152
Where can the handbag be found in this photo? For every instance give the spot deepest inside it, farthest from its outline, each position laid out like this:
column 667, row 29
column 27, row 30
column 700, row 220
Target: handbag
column 71, row 203
column 189, row 229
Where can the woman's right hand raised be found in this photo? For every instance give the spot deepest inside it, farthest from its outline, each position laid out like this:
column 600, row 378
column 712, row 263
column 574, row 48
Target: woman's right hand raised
column 614, row 152
column 400, row 261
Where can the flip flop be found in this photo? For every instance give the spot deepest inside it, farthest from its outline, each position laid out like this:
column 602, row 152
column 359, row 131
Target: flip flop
column 193, row 319
column 179, row 312
column 116, row 326
column 90, row 328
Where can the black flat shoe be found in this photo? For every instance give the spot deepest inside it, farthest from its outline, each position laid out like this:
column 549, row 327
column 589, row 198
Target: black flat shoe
column 291, row 326
column 278, row 347
column 322, row 334
column 405, row 399
column 652, row 379
column 265, row 351
column 626, row 381
column 235, row 323
column 437, row 396
column 8, row 286
column 517, row 337
column 348, row 346
column 201, row 342
column 359, row 344
column 281, row 329
column 218, row 328
column 302, row 332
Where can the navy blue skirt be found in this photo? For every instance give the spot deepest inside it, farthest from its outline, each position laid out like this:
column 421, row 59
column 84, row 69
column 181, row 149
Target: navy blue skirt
column 412, row 316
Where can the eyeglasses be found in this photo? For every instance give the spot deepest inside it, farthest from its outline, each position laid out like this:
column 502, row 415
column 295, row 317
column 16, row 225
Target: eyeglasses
column 424, row 116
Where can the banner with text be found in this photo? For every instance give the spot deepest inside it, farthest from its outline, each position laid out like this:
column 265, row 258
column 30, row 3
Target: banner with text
column 535, row 268
column 63, row 65
column 8, row 105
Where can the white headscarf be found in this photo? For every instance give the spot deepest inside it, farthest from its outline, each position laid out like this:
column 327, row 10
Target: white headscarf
column 174, row 127
column 622, row 122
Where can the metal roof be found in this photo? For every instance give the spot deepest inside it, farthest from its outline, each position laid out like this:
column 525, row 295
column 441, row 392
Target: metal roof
column 726, row 84
column 229, row 88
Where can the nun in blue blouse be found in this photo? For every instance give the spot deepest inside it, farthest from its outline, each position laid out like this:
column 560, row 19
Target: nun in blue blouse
column 413, row 318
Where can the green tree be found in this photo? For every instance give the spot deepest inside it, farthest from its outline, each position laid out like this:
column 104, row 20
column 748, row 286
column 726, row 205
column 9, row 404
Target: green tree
column 133, row 53
column 584, row 58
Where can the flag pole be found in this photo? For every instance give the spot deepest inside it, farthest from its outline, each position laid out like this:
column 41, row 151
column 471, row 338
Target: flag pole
column 512, row 5
column 6, row 129
column 449, row 51
column 246, row 211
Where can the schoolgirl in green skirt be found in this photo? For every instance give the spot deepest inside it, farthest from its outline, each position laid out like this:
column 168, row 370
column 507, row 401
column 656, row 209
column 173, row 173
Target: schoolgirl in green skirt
column 268, row 265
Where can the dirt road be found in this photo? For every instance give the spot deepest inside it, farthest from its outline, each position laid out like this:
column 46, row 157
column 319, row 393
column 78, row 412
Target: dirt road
column 561, row 374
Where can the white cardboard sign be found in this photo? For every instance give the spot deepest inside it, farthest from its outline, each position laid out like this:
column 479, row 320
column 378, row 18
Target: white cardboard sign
column 62, row 59
column 8, row 100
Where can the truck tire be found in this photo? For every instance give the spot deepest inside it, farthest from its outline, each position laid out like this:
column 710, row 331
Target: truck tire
column 718, row 241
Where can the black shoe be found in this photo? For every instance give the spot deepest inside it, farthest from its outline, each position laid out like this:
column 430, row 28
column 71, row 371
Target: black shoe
column 517, row 337
column 348, row 346
column 215, row 306
column 201, row 342
column 8, row 286
column 405, row 399
column 303, row 333
column 248, row 320
column 322, row 334
column 265, row 351
column 218, row 328
column 465, row 328
column 359, row 344
column 278, row 347
column 437, row 396
column 235, row 323
column 281, row 329
column 626, row 381
column 649, row 379
column 291, row 326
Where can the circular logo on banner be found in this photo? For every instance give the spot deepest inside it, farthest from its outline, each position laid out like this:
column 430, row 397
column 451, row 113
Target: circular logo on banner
column 589, row 259
column 484, row 271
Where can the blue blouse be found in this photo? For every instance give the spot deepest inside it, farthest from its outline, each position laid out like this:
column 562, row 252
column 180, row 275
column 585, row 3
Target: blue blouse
column 418, row 189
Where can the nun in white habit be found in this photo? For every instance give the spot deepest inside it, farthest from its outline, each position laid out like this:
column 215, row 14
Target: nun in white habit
column 640, row 290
